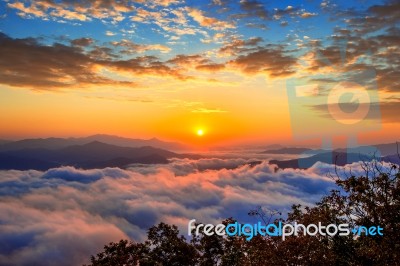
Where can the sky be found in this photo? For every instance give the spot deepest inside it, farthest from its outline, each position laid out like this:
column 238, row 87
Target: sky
column 206, row 73
column 238, row 71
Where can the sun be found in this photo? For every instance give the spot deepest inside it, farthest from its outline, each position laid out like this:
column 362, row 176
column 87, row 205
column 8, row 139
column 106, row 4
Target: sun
column 200, row 132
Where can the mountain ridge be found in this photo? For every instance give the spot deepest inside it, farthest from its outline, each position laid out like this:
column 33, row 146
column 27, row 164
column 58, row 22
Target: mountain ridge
column 58, row 143
column 94, row 154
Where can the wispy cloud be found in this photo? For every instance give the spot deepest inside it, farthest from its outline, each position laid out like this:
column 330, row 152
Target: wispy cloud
column 132, row 48
column 208, row 111
column 110, row 33
column 203, row 20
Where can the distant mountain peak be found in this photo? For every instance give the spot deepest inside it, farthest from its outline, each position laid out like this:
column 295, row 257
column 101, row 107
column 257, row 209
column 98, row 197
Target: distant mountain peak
column 96, row 143
column 93, row 154
column 59, row 143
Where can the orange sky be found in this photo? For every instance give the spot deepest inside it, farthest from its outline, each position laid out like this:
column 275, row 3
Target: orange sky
column 170, row 68
column 241, row 117
column 260, row 116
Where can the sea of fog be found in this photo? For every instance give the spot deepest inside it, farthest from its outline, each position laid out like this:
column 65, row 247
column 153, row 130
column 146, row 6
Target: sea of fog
column 64, row 215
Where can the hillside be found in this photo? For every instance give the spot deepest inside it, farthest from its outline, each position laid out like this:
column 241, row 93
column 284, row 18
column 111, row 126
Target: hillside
column 91, row 155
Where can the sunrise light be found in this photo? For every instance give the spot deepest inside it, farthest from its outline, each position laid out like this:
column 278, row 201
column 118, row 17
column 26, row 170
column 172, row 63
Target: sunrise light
column 200, row 132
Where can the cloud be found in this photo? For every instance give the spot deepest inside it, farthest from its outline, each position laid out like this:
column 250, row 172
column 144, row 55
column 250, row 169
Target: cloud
column 110, row 33
column 83, row 42
column 145, row 65
column 307, row 15
column 257, row 26
column 23, row 11
column 371, row 19
column 388, row 11
column 70, row 174
column 383, row 15
column 185, row 60
column 183, row 167
column 31, row 64
column 63, row 215
column 247, row 56
column 204, row 21
column 350, row 55
column 131, row 48
column 238, row 46
column 32, row 236
column 168, row 21
column 143, row 15
column 208, row 111
column 166, row 2
column 69, row 15
column 210, row 67
column 289, row 11
column 27, row 63
column 254, row 8
column 270, row 60
column 196, row 62
column 62, row 220
column 75, row 10
column 344, row 110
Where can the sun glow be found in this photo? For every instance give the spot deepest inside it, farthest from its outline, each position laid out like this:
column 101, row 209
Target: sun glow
column 200, row 132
